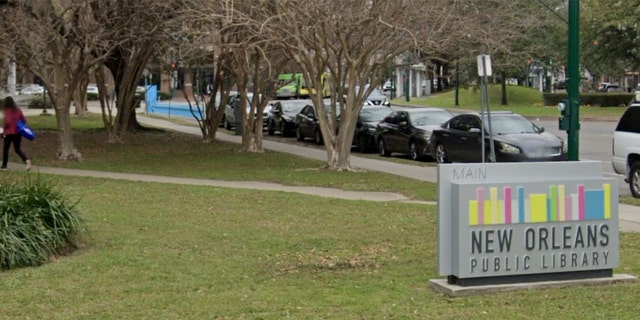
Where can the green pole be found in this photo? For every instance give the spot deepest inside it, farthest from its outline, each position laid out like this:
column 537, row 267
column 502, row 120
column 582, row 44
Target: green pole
column 574, row 79
column 406, row 84
column 456, row 101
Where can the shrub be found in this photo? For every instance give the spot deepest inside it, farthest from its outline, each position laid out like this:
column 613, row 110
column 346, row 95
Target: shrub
column 36, row 223
column 164, row 95
column 594, row 99
column 37, row 103
column 92, row 96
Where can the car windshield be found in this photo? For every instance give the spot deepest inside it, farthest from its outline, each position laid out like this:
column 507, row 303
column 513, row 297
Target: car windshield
column 294, row 106
column 512, row 123
column 376, row 93
column 327, row 108
column 429, row 118
column 374, row 114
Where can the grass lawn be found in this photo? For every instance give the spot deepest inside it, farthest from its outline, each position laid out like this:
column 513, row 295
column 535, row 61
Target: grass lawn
column 182, row 155
column 159, row 251
column 525, row 101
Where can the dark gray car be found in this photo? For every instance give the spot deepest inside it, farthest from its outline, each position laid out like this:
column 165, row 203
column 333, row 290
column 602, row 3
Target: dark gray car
column 409, row 131
column 282, row 116
column 515, row 139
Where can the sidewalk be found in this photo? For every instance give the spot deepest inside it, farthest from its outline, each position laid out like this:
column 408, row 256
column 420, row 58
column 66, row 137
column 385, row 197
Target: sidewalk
column 629, row 216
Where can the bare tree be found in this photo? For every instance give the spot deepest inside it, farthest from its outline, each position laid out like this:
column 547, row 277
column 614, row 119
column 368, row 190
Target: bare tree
column 54, row 39
column 200, row 42
column 139, row 29
column 355, row 42
column 252, row 59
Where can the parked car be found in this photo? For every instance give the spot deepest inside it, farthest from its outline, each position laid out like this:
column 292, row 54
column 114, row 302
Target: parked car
column 560, row 85
column 626, row 148
column 364, row 137
column 408, row 131
column 31, row 89
column 515, row 139
column 375, row 98
column 308, row 124
column 141, row 92
column 229, row 117
column 614, row 88
column 92, row 88
column 609, row 87
column 282, row 117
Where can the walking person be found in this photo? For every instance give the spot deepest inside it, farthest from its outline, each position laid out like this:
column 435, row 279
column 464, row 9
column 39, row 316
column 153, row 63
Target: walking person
column 12, row 114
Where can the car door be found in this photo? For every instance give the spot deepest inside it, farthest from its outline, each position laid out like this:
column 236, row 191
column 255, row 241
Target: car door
column 403, row 134
column 276, row 115
column 470, row 139
column 229, row 113
column 448, row 136
column 387, row 130
column 307, row 119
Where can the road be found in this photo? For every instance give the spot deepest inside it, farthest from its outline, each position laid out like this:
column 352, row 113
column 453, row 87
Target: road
column 595, row 144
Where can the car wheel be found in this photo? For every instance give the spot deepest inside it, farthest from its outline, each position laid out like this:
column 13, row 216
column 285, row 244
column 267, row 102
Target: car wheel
column 363, row 144
column 441, row 154
column 270, row 129
column 382, row 149
column 318, row 137
column 413, row 151
column 634, row 180
column 299, row 135
column 227, row 125
column 283, row 132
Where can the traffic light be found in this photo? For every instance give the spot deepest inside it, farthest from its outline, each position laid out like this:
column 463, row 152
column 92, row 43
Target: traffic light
column 565, row 111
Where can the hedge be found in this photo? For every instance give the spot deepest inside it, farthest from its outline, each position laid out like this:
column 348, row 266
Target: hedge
column 600, row 99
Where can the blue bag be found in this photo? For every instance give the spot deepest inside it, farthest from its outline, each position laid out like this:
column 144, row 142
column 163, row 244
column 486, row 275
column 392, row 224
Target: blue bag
column 25, row 130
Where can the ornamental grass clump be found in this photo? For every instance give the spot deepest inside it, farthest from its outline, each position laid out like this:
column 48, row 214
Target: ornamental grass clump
column 37, row 223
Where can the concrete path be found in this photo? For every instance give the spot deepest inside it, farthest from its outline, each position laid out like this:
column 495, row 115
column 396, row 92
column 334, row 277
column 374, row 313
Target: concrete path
column 629, row 216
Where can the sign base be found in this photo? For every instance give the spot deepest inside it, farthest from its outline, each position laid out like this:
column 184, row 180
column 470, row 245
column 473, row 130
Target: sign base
column 527, row 278
column 442, row 285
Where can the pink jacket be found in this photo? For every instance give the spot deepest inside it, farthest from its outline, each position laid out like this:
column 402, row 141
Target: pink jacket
column 11, row 117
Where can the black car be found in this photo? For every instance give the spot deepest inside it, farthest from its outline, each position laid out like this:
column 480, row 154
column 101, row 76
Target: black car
column 364, row 137
column 408, row 131
column 282, row 116
column 515, row 139
column 308, row 125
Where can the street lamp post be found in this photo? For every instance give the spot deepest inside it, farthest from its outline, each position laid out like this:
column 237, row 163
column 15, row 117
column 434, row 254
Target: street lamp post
column 574, row 79
column 406, row 83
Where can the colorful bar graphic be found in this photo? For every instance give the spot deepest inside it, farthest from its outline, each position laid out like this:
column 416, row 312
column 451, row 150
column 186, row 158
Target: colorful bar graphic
column 557, row 205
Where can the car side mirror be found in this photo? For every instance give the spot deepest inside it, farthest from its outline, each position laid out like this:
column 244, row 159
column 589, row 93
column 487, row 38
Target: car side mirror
column 541, row 129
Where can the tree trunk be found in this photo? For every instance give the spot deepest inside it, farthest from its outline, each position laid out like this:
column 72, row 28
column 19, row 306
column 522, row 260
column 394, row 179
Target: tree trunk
column 80, row 102
column 253, row 137
column 67, row 150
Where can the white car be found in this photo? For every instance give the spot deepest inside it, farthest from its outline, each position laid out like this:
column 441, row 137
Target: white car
column 626, row 148
column 92, row 88
column 229, row 119
column 32, row 89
